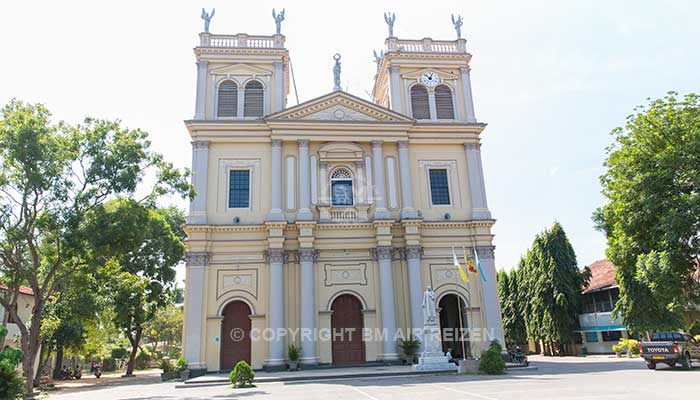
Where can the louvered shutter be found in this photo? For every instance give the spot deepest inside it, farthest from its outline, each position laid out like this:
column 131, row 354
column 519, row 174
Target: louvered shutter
column 253, row 103
column 228, row 99
column 443, row 103
column 419, row 102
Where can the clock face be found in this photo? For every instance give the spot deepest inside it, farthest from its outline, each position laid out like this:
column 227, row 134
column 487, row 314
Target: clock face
column 430, row 78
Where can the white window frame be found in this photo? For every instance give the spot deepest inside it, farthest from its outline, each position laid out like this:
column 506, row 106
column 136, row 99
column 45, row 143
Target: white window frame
column 250, row 188
column 225, row 168
column 352, row 182
column 452, row 182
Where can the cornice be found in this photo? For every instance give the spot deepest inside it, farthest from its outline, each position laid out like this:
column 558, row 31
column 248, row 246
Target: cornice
column 225, row 228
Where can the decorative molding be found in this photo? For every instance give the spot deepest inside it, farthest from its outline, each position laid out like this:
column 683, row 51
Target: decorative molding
column 486, row 252
column 197, row 259
column 200, row 145
column 277, row 143
column 345, row 274
column 382, row 253
column 413, row 252
column 307, row 255
column 237, row 280
column 472, row 146
column 345, row 100
column 276, row 256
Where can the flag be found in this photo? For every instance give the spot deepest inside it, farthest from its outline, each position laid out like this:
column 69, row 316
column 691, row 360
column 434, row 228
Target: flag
column 463, row 274
column 478, row 264
column 468, row 262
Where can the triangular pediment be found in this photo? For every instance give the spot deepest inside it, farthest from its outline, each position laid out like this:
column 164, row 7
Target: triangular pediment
column 339, row 106
column 240, row 69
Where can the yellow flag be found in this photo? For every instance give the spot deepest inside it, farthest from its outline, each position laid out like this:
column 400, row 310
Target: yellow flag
column 463, row 274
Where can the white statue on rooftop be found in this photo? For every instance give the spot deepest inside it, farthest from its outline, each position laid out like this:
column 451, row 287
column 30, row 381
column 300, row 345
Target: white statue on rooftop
column 278, row 21
column 389, row 18
column 336, row 72
column 207, row 18
column 458, row 25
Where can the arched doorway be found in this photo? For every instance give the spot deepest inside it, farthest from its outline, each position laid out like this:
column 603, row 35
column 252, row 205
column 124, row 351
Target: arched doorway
column 235, row 334
column 452, row 326
column 346, row 330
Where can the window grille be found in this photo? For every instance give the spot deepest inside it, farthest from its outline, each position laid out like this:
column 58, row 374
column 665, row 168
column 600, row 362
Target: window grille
column 439, row 188
column 419, row 102
column 228, row 99
column 253, row 99
column 239, row 189
column 443, row 103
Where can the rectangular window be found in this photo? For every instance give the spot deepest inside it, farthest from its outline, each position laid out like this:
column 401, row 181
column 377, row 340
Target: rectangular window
column 611, row 336
column 341, row 193
column 239, row 188
column 439, row 188
column 591, row 337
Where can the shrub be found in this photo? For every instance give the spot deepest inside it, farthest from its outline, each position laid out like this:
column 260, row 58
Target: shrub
column 629, row 347
column 13, row 356
column 180, row 365
column 143, row 359
column 11, row 382
column 618, row 348
column 119, row 353
column 109, row 364
column 694, row 328
column 242, row 375
column 166, row 365
column 409, row 348
column 293, row 353
column 632, row 348
column 492, row 362
column 496, row 345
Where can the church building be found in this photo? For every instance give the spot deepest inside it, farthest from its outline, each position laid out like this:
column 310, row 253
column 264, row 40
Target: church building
column 334, row 214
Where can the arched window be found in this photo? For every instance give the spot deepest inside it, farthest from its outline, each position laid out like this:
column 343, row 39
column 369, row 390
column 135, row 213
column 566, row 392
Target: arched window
column 443, row 103
column 341, row 187
column 228, row 99
column 253, row 100
column 419, row 102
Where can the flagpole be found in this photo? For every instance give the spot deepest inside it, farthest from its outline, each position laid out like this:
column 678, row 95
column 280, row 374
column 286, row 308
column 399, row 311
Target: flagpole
column 461, row 326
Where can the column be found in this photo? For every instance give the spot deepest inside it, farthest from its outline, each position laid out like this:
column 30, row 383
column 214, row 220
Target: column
column 492, row 308
column 304, row 211
column 279, row 97
column 477, row 189
column 200, row 103
column 467, row 93
column 195, row 264
column 415, row 286
column 276, row 182
column 323, row 182
column 200, row 166
column 306, row 258
column 395, row 87
column 380, row 210
column 383, row 255
column 432, row 105
column 407, row 210
column 360, row 182
column 276, row 354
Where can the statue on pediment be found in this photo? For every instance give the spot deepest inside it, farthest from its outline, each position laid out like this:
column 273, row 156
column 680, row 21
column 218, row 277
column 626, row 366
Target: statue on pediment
column 389, row 18
column 207, row 18
column 458, row 25
column 278, row 21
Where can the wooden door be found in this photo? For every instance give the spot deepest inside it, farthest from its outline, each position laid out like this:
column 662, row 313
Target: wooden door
column 235, row 335
column 346, row 325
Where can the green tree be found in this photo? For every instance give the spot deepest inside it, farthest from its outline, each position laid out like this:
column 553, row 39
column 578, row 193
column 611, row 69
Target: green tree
column 509, row 296
column 140, row 268
column 552, row 283
column 51, row 177
column 651, row 183
column 165, row 327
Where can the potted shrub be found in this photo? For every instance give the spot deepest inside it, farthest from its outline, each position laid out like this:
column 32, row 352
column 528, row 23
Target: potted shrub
column 181, row 368
column 242, row 375
column 293, row 356
column 168, row 370
column 491, row 360
column 409, row 349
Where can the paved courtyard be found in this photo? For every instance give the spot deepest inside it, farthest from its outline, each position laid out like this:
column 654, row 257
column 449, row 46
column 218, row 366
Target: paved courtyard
column 556, row 378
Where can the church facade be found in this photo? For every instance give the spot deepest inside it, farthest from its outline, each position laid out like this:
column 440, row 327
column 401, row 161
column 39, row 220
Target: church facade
column 335, row 214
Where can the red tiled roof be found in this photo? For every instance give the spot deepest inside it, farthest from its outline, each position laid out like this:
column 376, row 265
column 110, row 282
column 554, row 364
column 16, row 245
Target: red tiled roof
column 602, row 276
column 22, row 289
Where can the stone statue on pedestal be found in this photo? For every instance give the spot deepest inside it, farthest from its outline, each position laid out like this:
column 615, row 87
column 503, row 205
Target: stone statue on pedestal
column 278, row 21
column 207, row 19
column 378, row 57
column 336, row 72
column 389, row 18
column 458, row 25
column 432, row 358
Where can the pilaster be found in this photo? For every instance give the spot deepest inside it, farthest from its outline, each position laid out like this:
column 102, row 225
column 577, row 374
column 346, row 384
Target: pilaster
column 276, row 213
column 477, row 188
column 195, row 265
column 200, row 167
column 492, row 308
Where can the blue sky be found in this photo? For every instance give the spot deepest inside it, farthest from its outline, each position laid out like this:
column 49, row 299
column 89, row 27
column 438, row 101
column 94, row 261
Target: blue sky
column 551, row 79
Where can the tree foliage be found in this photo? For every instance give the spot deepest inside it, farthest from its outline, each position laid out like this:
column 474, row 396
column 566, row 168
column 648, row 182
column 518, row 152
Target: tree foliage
column 51, row 177
column 541, row 298
column 652, row 218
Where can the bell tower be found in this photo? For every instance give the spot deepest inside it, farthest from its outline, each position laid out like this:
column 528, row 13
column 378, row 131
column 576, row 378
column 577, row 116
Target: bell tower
column 240, row 76
column 426, row 79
